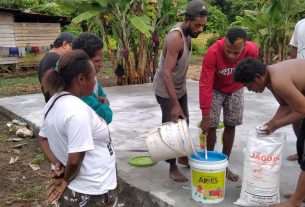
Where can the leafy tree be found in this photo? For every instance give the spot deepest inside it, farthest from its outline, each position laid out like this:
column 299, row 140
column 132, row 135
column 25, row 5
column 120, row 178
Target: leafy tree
column 270, row 25
column 234, row 8
column 217, row 21
column 135, row 26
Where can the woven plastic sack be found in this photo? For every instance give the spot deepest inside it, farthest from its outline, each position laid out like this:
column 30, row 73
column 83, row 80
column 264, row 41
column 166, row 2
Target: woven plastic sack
column 261, row 172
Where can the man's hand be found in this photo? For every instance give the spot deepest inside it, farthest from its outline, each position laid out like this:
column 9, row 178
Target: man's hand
column 57, row 188
column 205, row 123
column 177, row 113
column 103, row 100
column 270, row 127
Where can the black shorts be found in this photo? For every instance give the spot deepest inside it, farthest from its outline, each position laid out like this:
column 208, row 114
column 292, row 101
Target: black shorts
column 301, row 146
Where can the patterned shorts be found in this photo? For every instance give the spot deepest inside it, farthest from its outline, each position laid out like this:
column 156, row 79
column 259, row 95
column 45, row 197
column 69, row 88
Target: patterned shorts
column 233, row 107
column 73, row 199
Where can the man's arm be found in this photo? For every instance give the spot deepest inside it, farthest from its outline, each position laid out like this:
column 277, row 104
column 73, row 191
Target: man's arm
column 173, row 45
column 206, row 89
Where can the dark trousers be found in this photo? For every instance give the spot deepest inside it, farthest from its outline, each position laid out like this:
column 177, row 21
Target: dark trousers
column 301, row 146
column 166, row 108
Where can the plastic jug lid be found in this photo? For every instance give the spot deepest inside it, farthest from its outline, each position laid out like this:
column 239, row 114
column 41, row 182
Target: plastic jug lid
column 141, row 161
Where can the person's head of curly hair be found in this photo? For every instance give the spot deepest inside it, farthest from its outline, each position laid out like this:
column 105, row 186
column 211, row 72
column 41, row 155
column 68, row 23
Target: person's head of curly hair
column 88, row 42
column 247, row 69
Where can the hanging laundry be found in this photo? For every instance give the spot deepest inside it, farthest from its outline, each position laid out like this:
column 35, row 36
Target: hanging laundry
column 13, row 51
column 21, row 51
column 4, row 52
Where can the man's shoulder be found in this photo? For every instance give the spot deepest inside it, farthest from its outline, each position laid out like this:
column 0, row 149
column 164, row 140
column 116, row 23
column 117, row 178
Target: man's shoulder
column 50, row 56
column 174, row 40
column 174, row 35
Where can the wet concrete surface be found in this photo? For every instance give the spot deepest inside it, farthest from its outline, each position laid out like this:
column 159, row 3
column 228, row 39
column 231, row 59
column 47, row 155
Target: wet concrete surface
column 136, row 112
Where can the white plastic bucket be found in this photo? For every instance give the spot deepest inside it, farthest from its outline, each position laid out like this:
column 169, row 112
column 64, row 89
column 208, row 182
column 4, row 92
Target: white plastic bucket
column 208, row 177
column 170, row 140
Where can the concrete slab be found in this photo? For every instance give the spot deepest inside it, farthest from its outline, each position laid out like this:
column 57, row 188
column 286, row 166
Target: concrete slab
column 136, row 112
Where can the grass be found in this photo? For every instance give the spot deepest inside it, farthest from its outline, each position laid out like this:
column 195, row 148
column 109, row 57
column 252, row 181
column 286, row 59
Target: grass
column 39, row 158
column 28, row 194
column 14, row 86
column 107, row 71
column 18, row 86
column 3, row 138
column 4, row 82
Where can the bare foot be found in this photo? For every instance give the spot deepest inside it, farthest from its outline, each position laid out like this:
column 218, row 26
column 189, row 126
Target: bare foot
column 293, row 157
column 183, row 161
column 232, row 176
column 176, row 175
column 288, row 195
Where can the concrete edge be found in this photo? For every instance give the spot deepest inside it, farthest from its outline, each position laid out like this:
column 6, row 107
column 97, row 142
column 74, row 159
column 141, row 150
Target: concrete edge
column 132, row 196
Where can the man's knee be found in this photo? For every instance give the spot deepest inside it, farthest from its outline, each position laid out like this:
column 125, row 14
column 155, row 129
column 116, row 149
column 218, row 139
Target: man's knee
column 229, row 127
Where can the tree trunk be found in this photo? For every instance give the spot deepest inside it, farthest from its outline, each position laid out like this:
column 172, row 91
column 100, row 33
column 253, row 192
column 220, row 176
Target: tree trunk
column 109, row 49
column 142, row 57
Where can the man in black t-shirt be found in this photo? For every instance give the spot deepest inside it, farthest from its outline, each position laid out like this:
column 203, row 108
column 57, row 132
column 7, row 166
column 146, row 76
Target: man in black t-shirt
column 61, row 45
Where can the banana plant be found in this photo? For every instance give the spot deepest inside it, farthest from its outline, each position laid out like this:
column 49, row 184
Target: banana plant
column 271, row 25
column 132, row 23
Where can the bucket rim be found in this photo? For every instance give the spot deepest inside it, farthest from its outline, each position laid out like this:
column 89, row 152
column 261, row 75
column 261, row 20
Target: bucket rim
column 206, row 161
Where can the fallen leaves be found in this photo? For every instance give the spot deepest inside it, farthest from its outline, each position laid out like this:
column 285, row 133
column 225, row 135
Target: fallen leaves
column 34, row 167
column 13, row 160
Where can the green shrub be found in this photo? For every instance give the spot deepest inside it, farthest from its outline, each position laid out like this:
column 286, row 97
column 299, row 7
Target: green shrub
column 217, row 21
column 199, row 43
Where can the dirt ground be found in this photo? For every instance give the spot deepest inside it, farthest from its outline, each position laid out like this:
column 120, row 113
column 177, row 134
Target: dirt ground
column 21, row 186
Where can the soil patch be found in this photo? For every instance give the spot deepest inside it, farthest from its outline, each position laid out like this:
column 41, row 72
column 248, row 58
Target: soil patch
column 21, row 186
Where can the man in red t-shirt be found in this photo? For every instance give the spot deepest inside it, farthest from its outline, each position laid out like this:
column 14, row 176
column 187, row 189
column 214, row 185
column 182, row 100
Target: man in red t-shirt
column 218, row 90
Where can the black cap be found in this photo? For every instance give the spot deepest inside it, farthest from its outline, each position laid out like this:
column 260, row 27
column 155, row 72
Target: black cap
column 196, row 8
column 65, row 36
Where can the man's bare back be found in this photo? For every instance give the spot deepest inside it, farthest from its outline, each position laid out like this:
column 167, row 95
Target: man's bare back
column 288, row 74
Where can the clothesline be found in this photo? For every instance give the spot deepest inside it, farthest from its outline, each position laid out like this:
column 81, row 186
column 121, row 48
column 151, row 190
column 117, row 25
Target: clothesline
column 23, row 51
